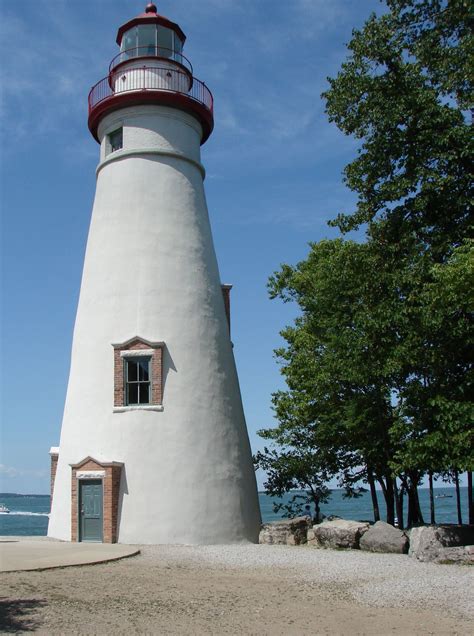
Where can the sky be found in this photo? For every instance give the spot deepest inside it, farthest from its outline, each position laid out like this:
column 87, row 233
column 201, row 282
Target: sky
column 274, row 178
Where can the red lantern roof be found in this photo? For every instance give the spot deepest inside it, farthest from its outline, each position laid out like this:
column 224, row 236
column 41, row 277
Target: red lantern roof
column 150, row 16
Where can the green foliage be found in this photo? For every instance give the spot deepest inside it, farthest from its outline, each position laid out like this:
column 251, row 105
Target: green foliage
column 437, row 423
column 298, row 469
column 378, row 364
column 404, row 90
column 337, row 362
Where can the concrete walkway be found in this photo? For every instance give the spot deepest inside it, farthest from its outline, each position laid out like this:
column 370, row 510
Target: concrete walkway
column 41, row 553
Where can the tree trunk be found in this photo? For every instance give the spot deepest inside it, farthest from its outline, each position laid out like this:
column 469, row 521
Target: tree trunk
column 386, row 496
column 409, row 504
column 470, row 501
column 390, row 501
column 373, row 494
column 401, row 493
column 419, row 514
column 398, row 503
column 411, row 521
column 317, row 511
column 432, row 502
column 458, row 496
column 415, row 518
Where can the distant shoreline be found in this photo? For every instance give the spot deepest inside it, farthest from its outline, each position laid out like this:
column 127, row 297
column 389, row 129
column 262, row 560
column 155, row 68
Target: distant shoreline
column 19, row 494
column 260, row 492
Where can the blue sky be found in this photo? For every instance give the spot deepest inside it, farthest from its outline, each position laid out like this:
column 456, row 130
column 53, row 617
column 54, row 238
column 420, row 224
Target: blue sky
column 273, row 165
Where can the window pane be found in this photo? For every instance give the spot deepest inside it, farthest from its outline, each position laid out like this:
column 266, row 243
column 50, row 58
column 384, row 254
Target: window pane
column 143, row 366
column 144, row 393
column 132, row 371
column 178, row 45
column 116, row 140
column 132, row 393
column 165, row 42
column 146, row 39
column 129, row 41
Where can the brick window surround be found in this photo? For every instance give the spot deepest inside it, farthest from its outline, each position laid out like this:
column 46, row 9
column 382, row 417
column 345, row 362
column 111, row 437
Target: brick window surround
column 110, row 474
column 137, row 347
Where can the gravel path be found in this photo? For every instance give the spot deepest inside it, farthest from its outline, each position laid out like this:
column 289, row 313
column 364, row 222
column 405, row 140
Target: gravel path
column 247, row 589
column 375, row 580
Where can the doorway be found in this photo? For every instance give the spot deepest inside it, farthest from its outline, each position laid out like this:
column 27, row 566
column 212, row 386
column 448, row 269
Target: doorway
column 90, row 510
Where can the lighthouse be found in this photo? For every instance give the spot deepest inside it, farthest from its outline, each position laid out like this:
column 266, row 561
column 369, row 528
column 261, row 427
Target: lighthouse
column 154, row 445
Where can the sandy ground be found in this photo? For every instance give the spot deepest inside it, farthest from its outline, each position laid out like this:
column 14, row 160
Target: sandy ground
column 242, row 590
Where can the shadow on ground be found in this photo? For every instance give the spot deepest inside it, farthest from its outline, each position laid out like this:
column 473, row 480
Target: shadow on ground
column 19, row 615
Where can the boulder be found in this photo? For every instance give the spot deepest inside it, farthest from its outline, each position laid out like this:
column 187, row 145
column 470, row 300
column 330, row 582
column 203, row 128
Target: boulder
column 339, row 533
column 285, row 532
column 382, row 537
column 311, row 537
column 436, row 543
column 464, row 555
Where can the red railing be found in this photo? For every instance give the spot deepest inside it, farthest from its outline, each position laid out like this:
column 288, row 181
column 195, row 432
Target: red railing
column 150, row 78
column 160, row 52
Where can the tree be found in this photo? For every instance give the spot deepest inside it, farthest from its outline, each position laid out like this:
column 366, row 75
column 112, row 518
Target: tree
column 294, row 470
column 441, row 353
column 404, row 91
column 436, row 408
column 338, row 366
column 379, row 364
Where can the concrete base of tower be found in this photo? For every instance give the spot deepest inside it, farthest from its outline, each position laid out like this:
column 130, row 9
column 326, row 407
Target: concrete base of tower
column 100, row 507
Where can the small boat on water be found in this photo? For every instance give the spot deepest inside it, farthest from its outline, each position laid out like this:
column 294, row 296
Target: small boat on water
column 443, row 496
column 4, row 509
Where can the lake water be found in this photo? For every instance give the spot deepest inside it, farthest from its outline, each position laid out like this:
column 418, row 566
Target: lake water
column 361, row 508
column 29, row 513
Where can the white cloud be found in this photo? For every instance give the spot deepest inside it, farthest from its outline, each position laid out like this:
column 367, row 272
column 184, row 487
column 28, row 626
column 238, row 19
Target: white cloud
column 266, row 79
column 228, row 119
column 12, row 473
column 9, row 471
column 45, row 79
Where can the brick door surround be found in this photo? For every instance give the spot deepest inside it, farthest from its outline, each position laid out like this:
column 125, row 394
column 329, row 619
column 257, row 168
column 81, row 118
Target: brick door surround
column 110, row 474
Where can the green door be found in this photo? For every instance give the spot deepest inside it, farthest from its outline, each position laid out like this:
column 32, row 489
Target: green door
column 90, row 510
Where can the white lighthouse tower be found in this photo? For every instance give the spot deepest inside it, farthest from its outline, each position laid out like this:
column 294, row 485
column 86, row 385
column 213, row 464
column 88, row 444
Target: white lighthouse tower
column 154, row 446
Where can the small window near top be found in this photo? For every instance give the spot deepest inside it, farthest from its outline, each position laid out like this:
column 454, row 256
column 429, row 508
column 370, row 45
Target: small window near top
column 137, row 380
column 115, row 140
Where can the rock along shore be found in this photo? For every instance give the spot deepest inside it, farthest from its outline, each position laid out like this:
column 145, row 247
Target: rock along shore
column 441, row 544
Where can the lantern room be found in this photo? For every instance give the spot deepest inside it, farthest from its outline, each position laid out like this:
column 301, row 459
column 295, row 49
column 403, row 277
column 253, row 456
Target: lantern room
column 151, row 69
column 150, row 35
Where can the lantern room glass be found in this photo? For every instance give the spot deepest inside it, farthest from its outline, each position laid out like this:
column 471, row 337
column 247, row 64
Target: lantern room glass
column 129, row 43
column 165, row 41
column 146, row 42
column 151, row 39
